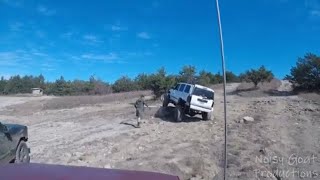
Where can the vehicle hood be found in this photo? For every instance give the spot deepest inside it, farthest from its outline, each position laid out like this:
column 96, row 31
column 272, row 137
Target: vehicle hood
column 17, row 130
column 57, row 172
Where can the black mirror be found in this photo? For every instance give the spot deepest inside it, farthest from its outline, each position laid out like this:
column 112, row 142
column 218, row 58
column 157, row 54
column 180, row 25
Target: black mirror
column 3, row 128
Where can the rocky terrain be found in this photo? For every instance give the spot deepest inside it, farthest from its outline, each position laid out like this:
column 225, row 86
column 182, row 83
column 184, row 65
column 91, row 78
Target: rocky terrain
column 281, row 133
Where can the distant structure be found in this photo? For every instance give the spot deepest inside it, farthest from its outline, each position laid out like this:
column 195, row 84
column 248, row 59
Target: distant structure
column 37, row 91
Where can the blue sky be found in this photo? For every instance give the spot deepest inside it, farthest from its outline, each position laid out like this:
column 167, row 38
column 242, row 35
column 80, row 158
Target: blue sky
column 112, row 38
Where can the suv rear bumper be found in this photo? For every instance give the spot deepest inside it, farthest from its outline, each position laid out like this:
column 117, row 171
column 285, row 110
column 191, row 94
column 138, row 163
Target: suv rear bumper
column 198, row 108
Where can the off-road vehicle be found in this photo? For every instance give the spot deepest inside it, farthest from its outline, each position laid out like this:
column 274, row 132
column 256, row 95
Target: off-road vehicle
column 190, row 99
column 13, row 147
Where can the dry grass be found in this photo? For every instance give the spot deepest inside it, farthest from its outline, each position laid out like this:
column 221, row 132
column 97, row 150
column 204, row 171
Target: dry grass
column 310, row 96
column 272, row 85
column 68, row 102
column 217, row 86
column 263, row 89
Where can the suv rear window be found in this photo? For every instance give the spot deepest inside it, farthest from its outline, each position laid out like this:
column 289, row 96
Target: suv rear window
column 187, row 90
column 204, row 93
column 182, row 87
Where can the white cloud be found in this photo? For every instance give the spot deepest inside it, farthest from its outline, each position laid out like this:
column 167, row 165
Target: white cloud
column 14, row 58
column 92, row 38
column 143, row 35
column 118, row 28
column 74, row 57
column 314, row 4
column 155, row 4
column 47, row 69
column 315, row 13
column 46, row 66
column 16, row 26
column 24, row 61
column 148, row 53
column 104, row 57
column 13, row 3
column 313, row 7
column 40, row 33
column 67, row 35
column 138, row 54
column 45, row 11
column 8, row 58
column 38, row 53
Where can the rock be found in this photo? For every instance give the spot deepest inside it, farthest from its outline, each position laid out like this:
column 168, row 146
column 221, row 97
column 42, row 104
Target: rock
column 262, row 150
column 309, row 109
column 248, row 119
column 129, row 159
column 141, row 148
column 77, row 154
column 68, row 155
column 239, row 121
column 197, row 177
column 107, row 166
column 82, row 158
column 114, row 150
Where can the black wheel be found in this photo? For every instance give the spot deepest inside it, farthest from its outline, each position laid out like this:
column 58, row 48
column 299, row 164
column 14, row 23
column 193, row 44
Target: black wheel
column 22, row 153
column 166, row 100
column 206, row 116
column 179, row 113
column 192, row 114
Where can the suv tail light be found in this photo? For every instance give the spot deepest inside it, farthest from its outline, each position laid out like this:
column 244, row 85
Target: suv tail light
column 189, row 99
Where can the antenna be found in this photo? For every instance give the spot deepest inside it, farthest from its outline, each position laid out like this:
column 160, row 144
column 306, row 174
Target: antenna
column 224, row 90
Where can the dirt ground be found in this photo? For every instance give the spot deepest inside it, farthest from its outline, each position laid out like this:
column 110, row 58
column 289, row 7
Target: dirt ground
column 98, row 132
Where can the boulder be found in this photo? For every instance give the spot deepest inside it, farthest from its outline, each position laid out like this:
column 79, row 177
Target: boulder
column 248, row 119
column 239, row 121
column 107, row 166
column 197, row 177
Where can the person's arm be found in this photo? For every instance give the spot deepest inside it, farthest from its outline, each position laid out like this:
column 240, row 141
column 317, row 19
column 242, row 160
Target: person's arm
column 145, row 104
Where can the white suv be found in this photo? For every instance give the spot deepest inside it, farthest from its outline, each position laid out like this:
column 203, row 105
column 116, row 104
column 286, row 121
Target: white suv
column 190, row 99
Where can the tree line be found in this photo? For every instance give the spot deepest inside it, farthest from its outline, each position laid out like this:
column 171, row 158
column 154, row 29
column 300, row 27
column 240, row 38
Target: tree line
column 305, row 76
column 60, row 87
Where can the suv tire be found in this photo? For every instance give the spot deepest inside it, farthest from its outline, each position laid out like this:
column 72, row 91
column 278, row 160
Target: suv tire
column 192, row 114
column 207, row 116
column 179, row 114
column 22, row 153
column 166, row 100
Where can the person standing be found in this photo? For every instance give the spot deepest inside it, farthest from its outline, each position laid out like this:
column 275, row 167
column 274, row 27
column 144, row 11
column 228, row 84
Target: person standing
column 139, row 105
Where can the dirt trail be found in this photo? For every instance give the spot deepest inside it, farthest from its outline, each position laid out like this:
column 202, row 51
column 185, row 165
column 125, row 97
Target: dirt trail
column 92, row 135
column 286, row 130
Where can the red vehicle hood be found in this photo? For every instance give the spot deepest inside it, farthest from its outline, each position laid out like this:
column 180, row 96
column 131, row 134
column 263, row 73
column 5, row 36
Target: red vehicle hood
column 58, row 172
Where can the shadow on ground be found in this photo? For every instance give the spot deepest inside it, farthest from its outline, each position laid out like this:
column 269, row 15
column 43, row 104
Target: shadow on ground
column 280, row 93
column 239, row 91
column 129, row 124
column 168, row 114
column 254, row 92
